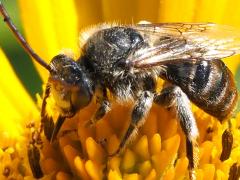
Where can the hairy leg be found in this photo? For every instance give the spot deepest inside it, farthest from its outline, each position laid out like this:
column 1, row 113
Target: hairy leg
column 104, row 106
column 139, row 112
column 173, row 96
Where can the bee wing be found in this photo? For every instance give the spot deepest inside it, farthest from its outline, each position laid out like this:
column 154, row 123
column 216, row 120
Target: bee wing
column 176, row 41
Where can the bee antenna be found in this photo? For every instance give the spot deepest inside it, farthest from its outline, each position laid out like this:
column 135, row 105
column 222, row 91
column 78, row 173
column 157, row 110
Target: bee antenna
column 21, row 39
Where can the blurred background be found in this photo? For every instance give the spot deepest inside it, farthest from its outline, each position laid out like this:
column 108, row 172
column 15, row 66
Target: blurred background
column 19, row 59
column 95, row 11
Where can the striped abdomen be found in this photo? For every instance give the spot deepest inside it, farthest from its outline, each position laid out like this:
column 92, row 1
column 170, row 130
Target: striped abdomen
column 208, row 84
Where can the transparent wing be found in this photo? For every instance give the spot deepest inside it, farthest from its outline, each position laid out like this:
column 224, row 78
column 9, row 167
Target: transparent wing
column 176, row 41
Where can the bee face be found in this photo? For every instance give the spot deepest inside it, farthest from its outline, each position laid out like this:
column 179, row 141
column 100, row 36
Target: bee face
column 70, row 85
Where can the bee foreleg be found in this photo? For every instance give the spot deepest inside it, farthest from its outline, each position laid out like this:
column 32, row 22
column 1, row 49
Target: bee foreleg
column 34, row 161
column 47, row 124
column 173, row 96
column 140, row 110
column 33, row 148
column 34, row 154
column 57, row 127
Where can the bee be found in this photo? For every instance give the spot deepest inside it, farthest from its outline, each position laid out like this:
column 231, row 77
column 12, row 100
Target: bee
column 127, row 60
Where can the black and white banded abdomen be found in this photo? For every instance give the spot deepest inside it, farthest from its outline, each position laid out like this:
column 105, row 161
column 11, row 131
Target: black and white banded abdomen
column 208, row 84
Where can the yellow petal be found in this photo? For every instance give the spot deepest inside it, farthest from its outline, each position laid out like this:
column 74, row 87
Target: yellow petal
column 199, row 174
column 70, row 153
column 128, row 161
column 12, row 88
column 161, row 161
column 166, row 118
column 181, row 168
column 94, row 150
column 132, row 177
column 152, row 175
column 205, row 152
column 176, row 11
column 203, row 7
column 171, row 145
column 230, row 15
column 145, row 168
column 147, row 11
column 209, row 171
column 141, row 148
column 221, row 175
column 113, row 11
column 39, row 28
column 232, row 63
column 113, row 175
column 93, row 170
column 66, row 24
column 80, row 168
column 50, row 26
column 167, row 156
column 89, row 12
column 169, row 174
column 151, row 125
column 114, row 164
column 155, row 144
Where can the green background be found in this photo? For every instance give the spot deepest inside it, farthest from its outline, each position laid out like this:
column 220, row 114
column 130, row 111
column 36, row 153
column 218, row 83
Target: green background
column 20, row 60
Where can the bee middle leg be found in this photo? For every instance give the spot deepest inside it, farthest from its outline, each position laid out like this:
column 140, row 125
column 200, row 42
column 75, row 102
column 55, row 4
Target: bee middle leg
column 139, row 112
column 102, row 110
column 173, row 96
column 104, row 106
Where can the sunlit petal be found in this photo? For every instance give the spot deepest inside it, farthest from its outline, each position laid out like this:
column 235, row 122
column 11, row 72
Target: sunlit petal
column 13, row 91
column 51, row 27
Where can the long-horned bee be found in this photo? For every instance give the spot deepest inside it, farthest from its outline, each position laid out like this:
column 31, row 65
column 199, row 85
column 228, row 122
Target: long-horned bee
column 127, row 60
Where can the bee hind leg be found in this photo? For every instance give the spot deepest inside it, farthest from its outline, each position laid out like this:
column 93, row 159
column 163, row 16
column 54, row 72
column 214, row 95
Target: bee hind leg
column 173, row 96
column 139, row 112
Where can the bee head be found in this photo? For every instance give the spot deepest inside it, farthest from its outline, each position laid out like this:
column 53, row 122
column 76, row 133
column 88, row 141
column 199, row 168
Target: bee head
column 71, row 86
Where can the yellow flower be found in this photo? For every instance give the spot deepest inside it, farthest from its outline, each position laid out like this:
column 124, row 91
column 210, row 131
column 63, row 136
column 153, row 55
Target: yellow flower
column 159, row 149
